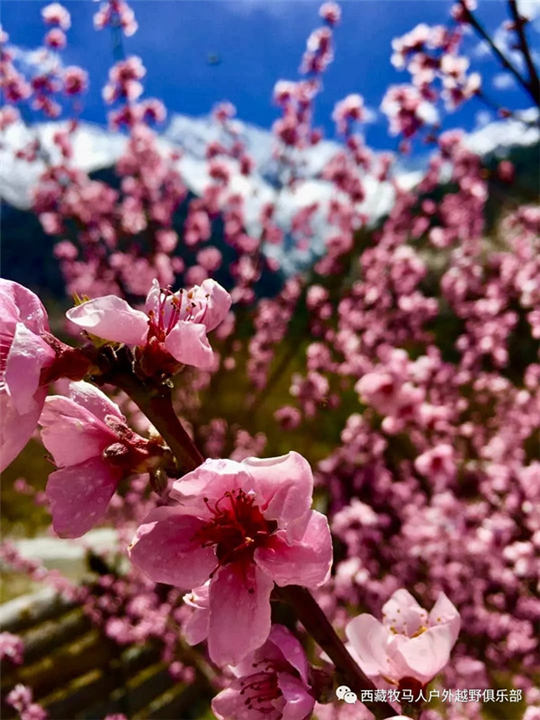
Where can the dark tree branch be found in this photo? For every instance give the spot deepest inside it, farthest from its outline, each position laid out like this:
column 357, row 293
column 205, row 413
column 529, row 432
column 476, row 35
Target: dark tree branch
column 318, row 626
column 534, row 81
column 495, row 50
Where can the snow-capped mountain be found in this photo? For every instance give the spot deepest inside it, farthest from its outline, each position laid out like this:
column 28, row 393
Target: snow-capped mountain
column 96, row 148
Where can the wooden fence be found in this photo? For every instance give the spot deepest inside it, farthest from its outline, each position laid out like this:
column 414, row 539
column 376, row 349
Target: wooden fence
column 76, row 672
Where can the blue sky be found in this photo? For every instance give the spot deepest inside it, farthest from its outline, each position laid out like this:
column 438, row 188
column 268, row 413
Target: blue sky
column 259, row 42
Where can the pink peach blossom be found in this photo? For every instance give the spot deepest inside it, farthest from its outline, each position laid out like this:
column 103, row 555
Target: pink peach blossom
column 437, row 464
column 23, row 355
column 94, row 449
column 244, row 526
column 408, row 643
column 56, row 14
column 173, row 326
column 272, row 683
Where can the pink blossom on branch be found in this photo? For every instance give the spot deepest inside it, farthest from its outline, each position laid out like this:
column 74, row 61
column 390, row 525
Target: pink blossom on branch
column 116, row 13
column 23, row 356
column 20, row 698
column 271, row 683
column 56, row 14
column 171, row 331
column 409, row 644
column 94, row 449
column 331, row 12
column 11, row 648
column 245, row 526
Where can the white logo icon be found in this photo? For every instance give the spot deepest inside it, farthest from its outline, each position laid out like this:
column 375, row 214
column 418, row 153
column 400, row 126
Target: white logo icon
column 345, row 693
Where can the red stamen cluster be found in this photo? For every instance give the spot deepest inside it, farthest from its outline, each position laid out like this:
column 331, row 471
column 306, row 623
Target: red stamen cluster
column 237, row 527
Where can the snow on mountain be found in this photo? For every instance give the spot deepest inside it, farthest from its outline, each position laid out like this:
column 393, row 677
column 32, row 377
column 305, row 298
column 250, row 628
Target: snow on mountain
column 498, row 138
column 96, row 148
column 93, row 148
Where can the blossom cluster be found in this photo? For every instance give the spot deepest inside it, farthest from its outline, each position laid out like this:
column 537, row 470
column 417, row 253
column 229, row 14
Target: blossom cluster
column 394, row 387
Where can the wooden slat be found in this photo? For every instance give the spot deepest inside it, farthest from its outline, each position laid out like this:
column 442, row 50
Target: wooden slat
column 54, row 634
column 30, row 610
column 75, row 671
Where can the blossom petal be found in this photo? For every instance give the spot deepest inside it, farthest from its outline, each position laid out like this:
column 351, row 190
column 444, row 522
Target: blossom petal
column 291, row 649
column 298, row 702
column 111, row 318
column 285, row 483
column 79, row 496
column 445, row 612
column 19, row 304
column 404, row 614
column 94, row 400
column 187, row 343
column 27, row 355
column 153, row 298
column 427, row 654
column 229, row 703
column 211, row 480
column 16, row 429
column 306, row 562
column 239, row 612
column 219, row 304
column 71, row 433
column 368, row 638
column 196, row 627
column 164, row 548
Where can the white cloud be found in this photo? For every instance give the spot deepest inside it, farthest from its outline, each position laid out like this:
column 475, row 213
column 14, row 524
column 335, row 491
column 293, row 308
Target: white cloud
column 481, row 50
column 498, row 137
column 370, row 115
column 503, row 81
column 35, row 61
column 482, row 118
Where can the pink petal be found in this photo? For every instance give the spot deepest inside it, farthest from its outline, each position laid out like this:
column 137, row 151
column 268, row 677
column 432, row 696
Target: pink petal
column 219, row 303
column 299, row 703
column 153, row 298
column 211, row 480
column 79, row 496
column 291, row 649
column 16, row 429
column 165, row 550
column 27, row 356
column 93, row 400
column 306, row 562
column 239, row 612
column 285, row 484
column 71, row 433
column 427, row 654
column 187, row 343
column 404, row 614
column 111, row 318
column 18, row 304
column 368, row 638
column 444, row 612
column 228, row 703
column 196, row 628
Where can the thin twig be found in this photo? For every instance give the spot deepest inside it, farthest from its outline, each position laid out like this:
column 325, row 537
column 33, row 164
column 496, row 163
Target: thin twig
column 534, row 81
column 495, row 50
column 318, row 626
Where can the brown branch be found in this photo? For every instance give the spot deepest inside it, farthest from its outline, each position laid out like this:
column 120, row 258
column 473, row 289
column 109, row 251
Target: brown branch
column 534, row 81
column 318, row 626
column 495, row 50
column 154, row 399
